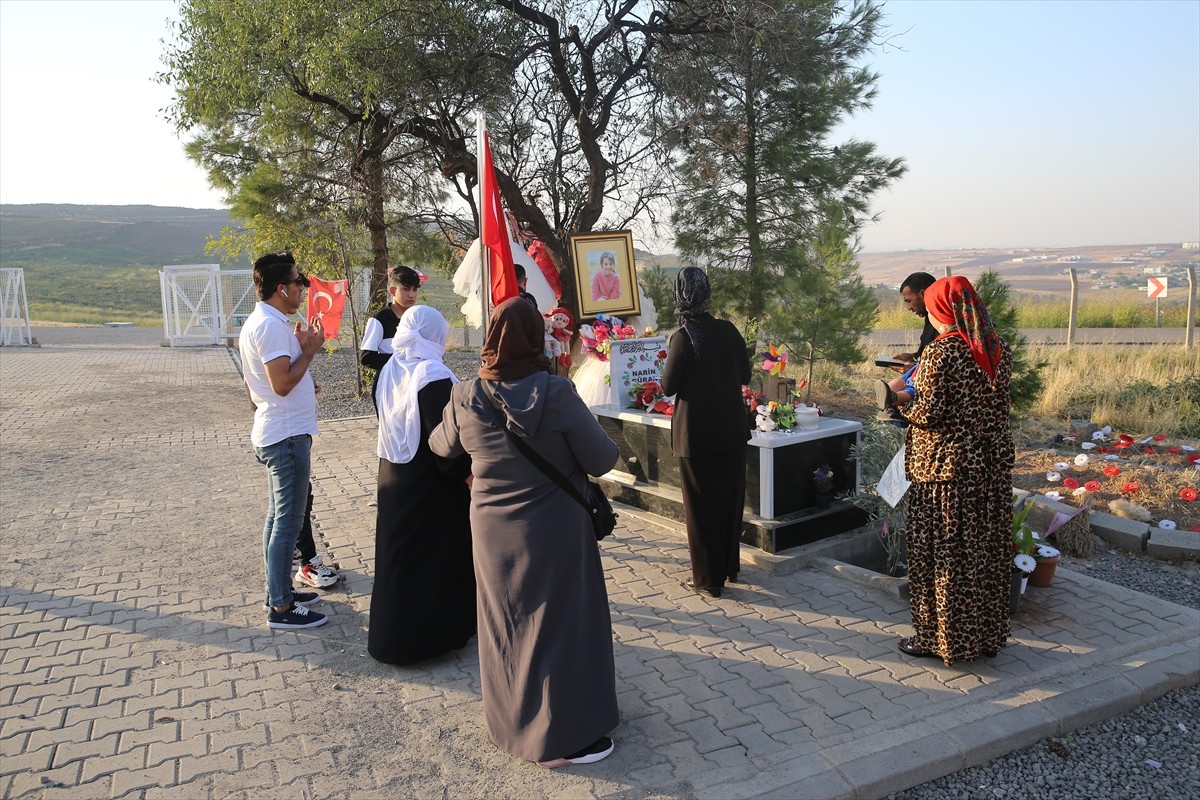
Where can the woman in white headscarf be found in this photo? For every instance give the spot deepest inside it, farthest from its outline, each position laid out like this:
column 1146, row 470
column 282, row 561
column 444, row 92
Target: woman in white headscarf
column 423, row 601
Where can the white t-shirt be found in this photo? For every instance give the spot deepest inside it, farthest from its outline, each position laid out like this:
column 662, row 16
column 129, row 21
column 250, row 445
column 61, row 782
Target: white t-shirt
column 373, row 338
column 266, row 336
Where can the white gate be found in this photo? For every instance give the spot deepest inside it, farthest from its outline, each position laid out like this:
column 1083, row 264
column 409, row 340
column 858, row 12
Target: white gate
column 191, row 304
column 205, row 305
column 14, row 309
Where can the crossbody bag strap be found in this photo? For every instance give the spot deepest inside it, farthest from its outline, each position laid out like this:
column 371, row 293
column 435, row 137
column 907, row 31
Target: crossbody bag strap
column 538, row 461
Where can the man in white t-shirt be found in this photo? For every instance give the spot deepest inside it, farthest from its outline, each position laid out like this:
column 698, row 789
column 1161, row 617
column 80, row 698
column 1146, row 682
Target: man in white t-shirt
column 275, row 359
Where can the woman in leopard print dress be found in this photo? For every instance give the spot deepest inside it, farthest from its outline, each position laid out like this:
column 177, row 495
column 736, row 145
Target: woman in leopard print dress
column 959, row 457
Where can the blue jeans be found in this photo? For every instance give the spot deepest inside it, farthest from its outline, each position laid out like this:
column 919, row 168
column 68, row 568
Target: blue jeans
column 289, row 465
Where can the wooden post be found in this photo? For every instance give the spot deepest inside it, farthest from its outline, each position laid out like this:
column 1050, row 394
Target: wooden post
column 948, row 273
column 1074, row 307
column 1190, row 331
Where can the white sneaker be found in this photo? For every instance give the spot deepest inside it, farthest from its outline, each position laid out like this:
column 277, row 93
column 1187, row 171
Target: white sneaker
column 316, row 574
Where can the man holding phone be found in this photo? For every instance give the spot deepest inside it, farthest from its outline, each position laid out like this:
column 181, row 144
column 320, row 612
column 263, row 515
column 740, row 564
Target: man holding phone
column 275, row 359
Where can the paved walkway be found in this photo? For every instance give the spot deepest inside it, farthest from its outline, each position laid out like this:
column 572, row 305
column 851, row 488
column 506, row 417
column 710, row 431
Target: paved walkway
column 135, row 660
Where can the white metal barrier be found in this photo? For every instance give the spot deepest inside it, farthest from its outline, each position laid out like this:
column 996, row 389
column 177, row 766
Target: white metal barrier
column 14, row 308
column 205, row 305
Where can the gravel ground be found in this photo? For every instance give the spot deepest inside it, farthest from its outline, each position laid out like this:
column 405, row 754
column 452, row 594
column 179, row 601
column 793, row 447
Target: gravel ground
column 1152, row 752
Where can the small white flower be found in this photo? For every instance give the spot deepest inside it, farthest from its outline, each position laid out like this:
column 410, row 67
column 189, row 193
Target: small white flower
column 1035, row 535
column 1062, row 465
column 1024, row 563
column 1088, row 445
column 1054, row 495
column 1167, row 524
column 1106, row 430
column 1098, row 435
column 1081, row 460
column 1046, row 551
column 1068, row 437
column 762, row 410
column 1186, row 447
column 1112, row 457
column 1053, row 477
column 1079, row 491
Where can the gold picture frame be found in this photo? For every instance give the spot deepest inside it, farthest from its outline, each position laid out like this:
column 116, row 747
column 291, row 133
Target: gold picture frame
column 605, row 274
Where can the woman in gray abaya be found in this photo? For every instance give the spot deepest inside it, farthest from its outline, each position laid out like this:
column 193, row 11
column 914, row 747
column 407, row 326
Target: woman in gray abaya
column 545, row 636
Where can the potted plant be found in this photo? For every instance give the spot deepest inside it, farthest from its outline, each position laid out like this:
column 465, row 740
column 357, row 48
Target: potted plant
column 823, row 483
column 775, row 416
column 1024, row 545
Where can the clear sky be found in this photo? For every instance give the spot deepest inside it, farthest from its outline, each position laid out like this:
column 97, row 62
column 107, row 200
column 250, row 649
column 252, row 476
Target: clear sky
column 1023, row 123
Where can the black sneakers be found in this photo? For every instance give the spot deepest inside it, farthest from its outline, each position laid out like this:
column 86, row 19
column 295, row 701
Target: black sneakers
column 597, row 751
column 295, row 617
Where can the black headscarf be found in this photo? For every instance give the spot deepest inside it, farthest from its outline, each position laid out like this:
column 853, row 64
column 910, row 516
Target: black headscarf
column 515, row 344
column 693, row 296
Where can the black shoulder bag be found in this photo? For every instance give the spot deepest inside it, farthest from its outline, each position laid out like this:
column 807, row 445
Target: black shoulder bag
column 604, row 519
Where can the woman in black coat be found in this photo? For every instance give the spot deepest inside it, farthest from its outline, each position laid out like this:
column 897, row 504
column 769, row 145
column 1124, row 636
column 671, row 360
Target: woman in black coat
column 707, row 365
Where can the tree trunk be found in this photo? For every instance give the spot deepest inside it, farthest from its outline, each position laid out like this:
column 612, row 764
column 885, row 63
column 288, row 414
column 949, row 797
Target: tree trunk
column 376, row 225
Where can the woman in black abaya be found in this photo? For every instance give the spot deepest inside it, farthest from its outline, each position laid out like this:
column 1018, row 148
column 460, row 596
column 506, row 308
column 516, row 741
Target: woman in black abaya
column 423, row 602
column 707, row 365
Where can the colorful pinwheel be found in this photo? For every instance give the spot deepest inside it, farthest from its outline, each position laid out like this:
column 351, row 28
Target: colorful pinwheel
column 774, row 360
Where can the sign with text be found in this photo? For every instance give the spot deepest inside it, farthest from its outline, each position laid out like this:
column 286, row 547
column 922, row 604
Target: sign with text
column 633, row 361
column 1156, row 288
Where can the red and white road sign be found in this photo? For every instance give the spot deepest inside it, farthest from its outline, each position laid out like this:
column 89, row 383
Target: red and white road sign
column 1156, row 288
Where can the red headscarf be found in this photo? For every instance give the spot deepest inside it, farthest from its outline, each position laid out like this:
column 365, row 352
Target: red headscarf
column 954, row 301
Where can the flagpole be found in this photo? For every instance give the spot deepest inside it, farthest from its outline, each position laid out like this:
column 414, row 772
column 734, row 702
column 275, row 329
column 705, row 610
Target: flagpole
column 484, row 278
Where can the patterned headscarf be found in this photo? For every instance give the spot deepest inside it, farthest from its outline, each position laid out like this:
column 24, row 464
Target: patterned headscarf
column 693, row 296
column 516, row 342
column 954, row 301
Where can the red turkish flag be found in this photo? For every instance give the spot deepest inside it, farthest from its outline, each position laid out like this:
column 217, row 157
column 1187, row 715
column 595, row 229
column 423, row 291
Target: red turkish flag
column 326, row 299
column 494, row 233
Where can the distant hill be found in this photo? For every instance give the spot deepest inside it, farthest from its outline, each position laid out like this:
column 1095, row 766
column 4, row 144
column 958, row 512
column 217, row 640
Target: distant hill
column 44, row 234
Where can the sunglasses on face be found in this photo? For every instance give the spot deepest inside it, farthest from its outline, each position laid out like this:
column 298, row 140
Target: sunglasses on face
column 300, row 280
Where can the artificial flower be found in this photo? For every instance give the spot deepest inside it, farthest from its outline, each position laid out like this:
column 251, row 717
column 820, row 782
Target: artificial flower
column 1187, row 447
column 1160, row 437
column 1071, row 483
column 1087, row 445
column 1148, row 449
column 1106, row 430
column 1081, row 460
column 1097, row 435
column 1130, row 487
column 1068, row 437
column 1112, row 457
column 1187, row 493
column 1121, row 445
column 1079, row 492
column 1103, row 450
column 1092, row 486
column 1062, row 466
column 1112, row 470
column 1053, row 477
column 1054, row 495
column 663, row 407
column 1046, row 551
column 1024, row 563
column 1173, row 451
column 1195, row 529
column 1167, row 524
column 1126, row 438
column 1194, row 458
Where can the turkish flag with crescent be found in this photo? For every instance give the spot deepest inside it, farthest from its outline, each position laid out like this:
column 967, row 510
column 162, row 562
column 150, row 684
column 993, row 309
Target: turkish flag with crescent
column 326, row 299
column 494, row 233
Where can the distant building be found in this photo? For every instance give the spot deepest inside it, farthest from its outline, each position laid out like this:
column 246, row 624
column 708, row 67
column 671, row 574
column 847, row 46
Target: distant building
column 1190, row 246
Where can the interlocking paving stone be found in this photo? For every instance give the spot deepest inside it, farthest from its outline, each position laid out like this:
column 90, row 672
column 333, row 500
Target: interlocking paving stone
column 132, row 642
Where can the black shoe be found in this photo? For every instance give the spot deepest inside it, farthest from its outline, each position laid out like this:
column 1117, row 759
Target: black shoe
column 714, row 591
column 299, row 598
column 596, row 751
column 885, row 398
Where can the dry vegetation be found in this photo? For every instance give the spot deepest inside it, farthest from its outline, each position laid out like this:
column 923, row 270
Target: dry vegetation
column 1140, row 391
